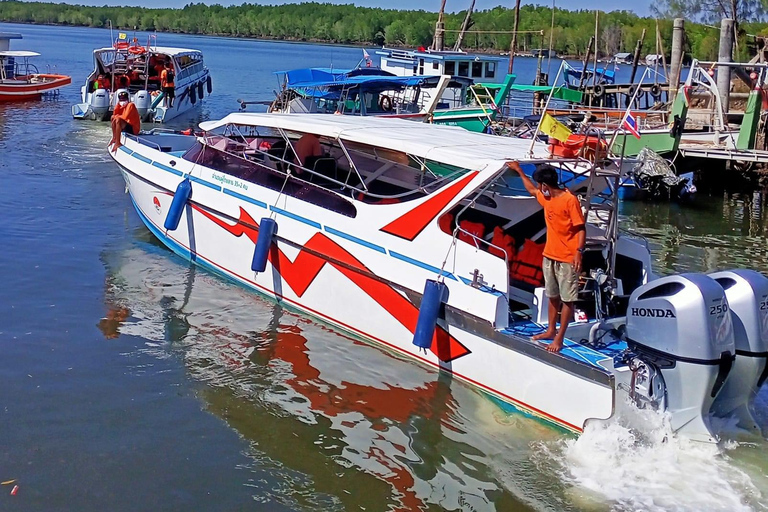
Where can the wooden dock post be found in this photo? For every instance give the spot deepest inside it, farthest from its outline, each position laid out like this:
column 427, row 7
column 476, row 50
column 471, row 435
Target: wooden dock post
column 676, row 62
column 725, row 55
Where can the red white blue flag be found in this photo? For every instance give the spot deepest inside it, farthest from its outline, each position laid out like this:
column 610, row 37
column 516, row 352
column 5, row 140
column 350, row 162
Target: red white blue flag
column 630, row 123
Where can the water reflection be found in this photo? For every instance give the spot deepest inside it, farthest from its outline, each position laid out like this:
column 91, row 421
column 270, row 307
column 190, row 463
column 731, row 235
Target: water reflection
column 713, row 233
column 339, row 423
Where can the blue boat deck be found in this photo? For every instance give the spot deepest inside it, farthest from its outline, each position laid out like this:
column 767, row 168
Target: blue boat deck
column 578, row 351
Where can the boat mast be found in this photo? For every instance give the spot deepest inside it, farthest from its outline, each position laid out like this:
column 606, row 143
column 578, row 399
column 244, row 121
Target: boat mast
column 438, row 42
column 464, row 27
column 513, row 44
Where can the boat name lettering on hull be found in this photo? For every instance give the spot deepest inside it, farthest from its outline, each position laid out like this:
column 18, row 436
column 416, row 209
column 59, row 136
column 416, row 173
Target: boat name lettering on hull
column 226, row 180
column 653, row 312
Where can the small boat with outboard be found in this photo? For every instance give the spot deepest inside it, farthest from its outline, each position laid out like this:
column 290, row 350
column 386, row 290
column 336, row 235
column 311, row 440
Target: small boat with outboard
column 139, row 70
column 20, row 79
column 420, row 239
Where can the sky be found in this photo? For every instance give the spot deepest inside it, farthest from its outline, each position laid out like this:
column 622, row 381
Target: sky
column 641, row 7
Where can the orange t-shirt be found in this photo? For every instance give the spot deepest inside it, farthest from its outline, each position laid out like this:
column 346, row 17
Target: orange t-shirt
column 164, row 82
column 130, row 114
column 564, row 218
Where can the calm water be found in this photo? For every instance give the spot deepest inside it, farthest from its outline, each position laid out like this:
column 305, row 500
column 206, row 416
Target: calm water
column 132, row 381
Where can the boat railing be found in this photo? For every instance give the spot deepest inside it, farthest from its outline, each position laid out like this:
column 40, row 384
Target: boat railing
column 146, row 142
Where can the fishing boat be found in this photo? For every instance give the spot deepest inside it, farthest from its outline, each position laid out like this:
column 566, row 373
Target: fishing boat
column 362, row 91
column 137, row 69
column 20, row 79
column 425, row 61
column 440, row 99
column 419, row 238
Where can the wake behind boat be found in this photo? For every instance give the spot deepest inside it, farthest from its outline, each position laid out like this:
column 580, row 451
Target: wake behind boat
column 140, row 70
column 402, row 224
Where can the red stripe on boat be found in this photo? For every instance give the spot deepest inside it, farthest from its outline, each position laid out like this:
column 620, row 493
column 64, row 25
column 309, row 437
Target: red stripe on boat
column 302, row 271
column 413, row 222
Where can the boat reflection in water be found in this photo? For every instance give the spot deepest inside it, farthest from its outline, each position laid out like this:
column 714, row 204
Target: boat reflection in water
column 339, row 424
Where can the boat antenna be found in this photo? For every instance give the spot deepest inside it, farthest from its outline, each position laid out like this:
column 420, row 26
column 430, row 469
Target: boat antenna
column 546, row 106
column 111, row 36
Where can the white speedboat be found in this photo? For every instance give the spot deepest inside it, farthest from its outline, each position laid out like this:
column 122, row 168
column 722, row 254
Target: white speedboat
column 137, row 69
column 417, row 238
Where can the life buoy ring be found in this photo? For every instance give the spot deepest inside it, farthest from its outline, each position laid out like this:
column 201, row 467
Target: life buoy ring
column 192, row 95
column 656, row 92
column 210, row 85
column 598, row 91
column 136, row 50
column 200, row 90
column 385, row 102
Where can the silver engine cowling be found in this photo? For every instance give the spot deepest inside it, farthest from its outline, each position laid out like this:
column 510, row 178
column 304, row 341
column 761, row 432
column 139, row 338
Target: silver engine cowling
column 747, row 293
column 99, row 103
column 143, row 102
column 679, row 327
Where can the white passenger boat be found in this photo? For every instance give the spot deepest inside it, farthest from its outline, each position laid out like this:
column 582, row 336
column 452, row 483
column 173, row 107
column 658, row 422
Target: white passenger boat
column 137, row 69
column 417, row 238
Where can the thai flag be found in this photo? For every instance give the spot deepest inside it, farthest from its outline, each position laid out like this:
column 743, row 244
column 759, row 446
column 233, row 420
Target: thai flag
column 630, row 123
column 367, row 59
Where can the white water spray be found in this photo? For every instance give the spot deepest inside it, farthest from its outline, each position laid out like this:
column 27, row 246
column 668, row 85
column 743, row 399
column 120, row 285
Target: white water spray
column 647, row 468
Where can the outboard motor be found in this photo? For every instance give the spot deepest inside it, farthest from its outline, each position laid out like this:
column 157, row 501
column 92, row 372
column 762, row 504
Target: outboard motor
column 99, row 104
column 680, row 331
column 747, row 293
column 143, row 102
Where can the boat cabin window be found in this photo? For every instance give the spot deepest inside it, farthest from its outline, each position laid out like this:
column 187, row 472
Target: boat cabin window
column 464, row 68
column 450, row 67
column 490, row 69
column 190, row 64
column 229, row 156
column 435, row 65
column 477, row 69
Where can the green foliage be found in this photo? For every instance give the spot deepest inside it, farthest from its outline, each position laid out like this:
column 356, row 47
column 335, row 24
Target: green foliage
column 313, row 21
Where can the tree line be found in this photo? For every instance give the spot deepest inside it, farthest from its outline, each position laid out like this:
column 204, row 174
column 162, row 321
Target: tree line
column 618, row 31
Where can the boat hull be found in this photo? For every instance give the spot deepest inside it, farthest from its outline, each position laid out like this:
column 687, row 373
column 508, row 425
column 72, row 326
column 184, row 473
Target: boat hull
column 31, row 87
column 322, row 274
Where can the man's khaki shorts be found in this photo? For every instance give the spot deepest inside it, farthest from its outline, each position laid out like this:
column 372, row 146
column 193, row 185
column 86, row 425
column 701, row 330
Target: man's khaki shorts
column 560, row 280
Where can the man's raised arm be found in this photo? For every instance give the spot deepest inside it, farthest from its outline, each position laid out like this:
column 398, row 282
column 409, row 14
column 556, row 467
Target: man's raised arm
column 529, row 186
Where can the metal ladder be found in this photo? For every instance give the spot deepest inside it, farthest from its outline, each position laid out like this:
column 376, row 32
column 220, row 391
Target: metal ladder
column 602, row 201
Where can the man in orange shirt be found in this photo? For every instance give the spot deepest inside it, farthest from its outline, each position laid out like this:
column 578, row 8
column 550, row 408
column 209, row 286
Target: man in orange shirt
column 125, row 119
column 566, row 235
column 166, row 83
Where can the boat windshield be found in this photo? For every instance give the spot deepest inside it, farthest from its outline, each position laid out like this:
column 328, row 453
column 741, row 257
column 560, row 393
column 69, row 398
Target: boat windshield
column 363, row 172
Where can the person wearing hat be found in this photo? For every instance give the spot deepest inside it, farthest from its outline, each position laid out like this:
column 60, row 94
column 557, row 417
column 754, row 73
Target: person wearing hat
column 125, row 119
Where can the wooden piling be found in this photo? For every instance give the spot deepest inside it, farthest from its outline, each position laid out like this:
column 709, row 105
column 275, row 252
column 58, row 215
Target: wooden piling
column 725, row 55
column 676, row 62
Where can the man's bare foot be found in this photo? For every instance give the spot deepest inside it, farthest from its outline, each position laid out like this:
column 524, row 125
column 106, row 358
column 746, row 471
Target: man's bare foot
column 117, row 145
column 546, row 335
column 556, row 345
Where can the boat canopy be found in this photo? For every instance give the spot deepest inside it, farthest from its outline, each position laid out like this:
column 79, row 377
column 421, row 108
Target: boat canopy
column 444, row 144
column 308, row 78
column 18, row 54
column 165, row 50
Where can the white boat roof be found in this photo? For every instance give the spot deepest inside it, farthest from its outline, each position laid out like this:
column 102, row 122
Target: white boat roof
column 166, row 50
column 18, row 53
column 445, row 144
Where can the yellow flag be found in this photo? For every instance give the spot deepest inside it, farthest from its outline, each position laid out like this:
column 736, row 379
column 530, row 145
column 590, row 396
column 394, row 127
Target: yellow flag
column 554, row 128
column 121, row 36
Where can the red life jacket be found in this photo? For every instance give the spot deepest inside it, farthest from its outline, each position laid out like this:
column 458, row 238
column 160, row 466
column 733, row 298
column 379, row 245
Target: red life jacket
column 527, row 264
